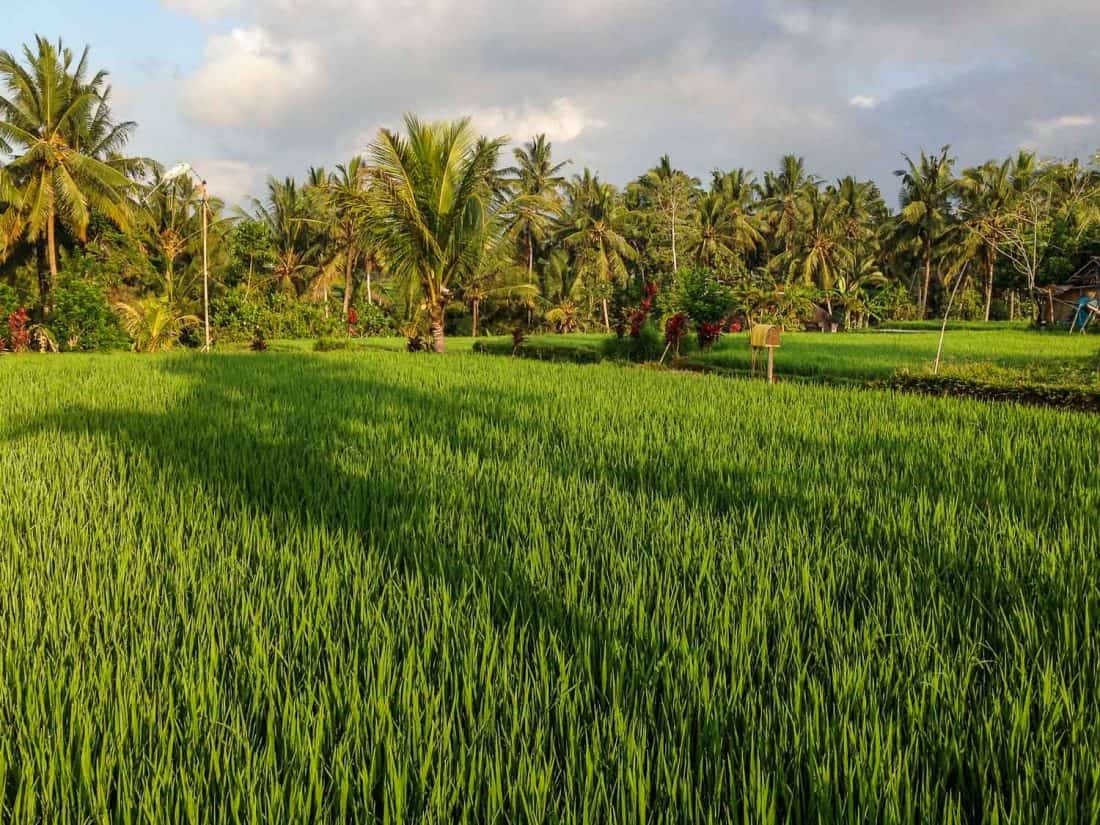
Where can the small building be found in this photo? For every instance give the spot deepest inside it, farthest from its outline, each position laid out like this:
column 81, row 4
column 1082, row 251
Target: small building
column 1058, row 302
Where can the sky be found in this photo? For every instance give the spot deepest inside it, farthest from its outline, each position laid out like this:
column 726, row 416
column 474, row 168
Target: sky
column 246, row 89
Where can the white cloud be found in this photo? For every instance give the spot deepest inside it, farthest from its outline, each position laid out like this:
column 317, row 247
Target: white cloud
column 250, row 79
column 562, row 121
column 234, row 181
column 205, row 10
column 617, row 83
column 1064, row 122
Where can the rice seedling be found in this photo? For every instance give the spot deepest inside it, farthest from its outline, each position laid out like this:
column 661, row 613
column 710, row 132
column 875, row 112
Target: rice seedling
column 379, row 587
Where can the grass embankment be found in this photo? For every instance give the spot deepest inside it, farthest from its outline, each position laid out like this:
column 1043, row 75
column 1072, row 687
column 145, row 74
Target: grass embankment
column 371, row 586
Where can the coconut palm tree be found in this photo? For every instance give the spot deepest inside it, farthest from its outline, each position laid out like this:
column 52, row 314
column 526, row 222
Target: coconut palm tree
column 344, row 207
column 56, row 122
column 822, row 257
column 11, row 214
column 434, row 207
column 986, row 195
column 535, row 201
column 714, row 236
column 168, row 225
column 927, row 189
column 595, row 235
column 295, row 229
column 785, row 196
column 154, row 324
column 738, row 189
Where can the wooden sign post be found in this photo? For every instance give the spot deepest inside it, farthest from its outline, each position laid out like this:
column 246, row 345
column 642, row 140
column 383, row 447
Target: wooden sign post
column 765, row 336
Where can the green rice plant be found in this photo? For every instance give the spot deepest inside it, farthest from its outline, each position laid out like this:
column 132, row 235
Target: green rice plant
column 373, row 587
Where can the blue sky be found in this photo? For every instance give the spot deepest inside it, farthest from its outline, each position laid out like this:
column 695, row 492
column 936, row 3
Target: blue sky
column 250, row 88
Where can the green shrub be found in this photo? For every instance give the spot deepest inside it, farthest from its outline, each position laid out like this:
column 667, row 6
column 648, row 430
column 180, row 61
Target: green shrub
column 646, row 346
column 700, row 295
column 83, row 320
column 374, row 321
column 9, row 301
column 327, row 344
column 237, row 314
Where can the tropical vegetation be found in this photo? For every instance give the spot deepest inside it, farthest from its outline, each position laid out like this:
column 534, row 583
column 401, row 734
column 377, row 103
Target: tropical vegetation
column 430, row 233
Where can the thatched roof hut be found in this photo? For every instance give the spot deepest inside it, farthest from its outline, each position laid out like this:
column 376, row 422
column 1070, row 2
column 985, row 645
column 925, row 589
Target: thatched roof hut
column 1058, row 302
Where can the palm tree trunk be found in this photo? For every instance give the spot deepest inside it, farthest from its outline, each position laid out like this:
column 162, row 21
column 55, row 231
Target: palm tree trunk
column 927, row 280
column 51, row 250
column 675, row 268
column 42, row 271
column 606, row 319
column 349, row 265
column 437, row 327
column 370, row 296
column 530, row 258
column 476, row 306
column 988, row 288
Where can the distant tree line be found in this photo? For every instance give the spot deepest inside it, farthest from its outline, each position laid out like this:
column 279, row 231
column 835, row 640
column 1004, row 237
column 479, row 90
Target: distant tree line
column 431, row 233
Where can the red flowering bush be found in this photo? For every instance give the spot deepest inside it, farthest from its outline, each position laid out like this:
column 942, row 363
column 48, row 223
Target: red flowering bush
column 675, row 330
column 19, row 337
column 519, row 338
column 639, row 316
column 709, row 332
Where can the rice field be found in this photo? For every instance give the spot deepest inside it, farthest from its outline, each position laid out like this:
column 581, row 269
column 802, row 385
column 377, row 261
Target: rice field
column 374, row 587
column 1000, row 355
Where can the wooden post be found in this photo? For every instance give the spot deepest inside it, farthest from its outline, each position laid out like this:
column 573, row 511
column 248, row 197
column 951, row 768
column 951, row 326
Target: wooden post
column 205, row 275
column 771, row 365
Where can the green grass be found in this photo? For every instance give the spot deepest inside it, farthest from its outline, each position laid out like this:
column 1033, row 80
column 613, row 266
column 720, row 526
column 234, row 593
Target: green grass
column 374, row 587
column 1005, row 356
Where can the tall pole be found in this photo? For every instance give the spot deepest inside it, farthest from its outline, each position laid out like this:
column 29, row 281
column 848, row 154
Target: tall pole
column 205, row 275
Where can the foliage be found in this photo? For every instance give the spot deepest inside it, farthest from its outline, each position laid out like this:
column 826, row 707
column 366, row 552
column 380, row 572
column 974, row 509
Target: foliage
column 66, row 147
column 9, row 300
column 700, row 295
column 82, row 318
column 428, row 227
column 676, row 327
column 18, row 338
column 237, row 313
column 433, row 208
column 153, row 324
column 371, row 320
column 641, row 346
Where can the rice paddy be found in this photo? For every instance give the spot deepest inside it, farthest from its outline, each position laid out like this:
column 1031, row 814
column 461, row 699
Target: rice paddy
column 374, row 587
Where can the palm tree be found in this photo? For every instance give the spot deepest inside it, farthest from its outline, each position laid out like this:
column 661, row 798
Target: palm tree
column 785, row 196
column 344, row 206
column 824, row 257
column 986, row 198
column 535, row 186
column 169, row 226
column 927, row 188
column 153, row 324
column 294, row 227
column 434, row 207
column 57, row 123
column 714, row 237
column 594, row 233
column 737, row 189
column 11, row 214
